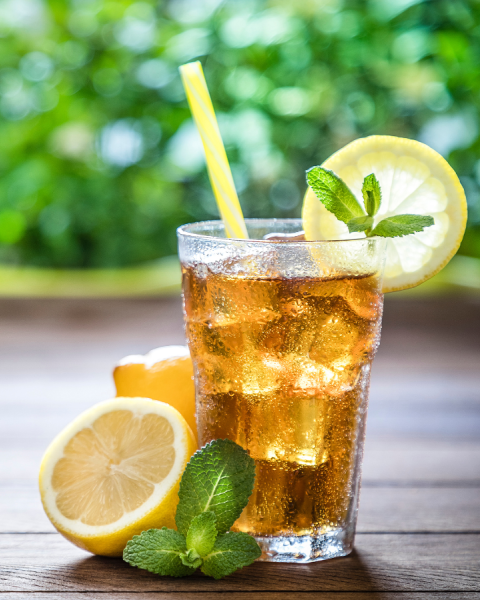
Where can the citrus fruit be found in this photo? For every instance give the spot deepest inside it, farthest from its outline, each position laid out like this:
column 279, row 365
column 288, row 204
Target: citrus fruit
column 414, row 179
column 164, row 374
column 114, row 472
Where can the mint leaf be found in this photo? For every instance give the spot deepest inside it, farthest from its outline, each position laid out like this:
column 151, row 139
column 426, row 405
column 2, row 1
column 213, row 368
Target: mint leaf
column 219, row 478
column 372, row 196
column 158, row 551
column 364, row 223
column 400, row 225
column 334, row 194
column 215, row 488
column 202, row 533
column 191, row 558
column 231, row 551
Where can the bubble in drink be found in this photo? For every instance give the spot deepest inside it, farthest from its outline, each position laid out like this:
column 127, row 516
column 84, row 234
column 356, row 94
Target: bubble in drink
column 282, row 368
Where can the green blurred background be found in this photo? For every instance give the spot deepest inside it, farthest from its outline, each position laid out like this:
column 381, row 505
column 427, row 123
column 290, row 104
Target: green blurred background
column 100, row 161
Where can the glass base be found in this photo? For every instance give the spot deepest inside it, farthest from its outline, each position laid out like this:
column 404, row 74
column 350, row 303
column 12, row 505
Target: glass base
column 306, row 548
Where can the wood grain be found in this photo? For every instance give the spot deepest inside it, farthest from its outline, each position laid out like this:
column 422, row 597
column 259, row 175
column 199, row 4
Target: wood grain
column 401, row 562
column 382, row 510
column 391, row 462
column 242, row 596
column 419, row 520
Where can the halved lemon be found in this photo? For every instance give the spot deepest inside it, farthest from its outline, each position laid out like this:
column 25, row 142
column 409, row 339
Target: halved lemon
column 414, row 179
column 114, row 472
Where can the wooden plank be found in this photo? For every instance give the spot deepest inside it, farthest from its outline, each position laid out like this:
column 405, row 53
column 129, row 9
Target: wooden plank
column 418, row 461
column 437, row 407
column 253, row 595
column 423, row 430
column 419, row 510
column 419, row 334
column 391, row 462
column 21, row 511
column 390, row 562
column 57, row 356
column 445, row 316
column 29, row 325
column 381, row 510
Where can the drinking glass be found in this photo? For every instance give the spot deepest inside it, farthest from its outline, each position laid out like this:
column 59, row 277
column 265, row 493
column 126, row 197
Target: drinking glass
column 282, row 334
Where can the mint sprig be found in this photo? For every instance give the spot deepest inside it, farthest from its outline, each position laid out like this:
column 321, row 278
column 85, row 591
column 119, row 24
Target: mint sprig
column 363, row 223
column 337, row 198
column 372, row 195
column 202, row 533
column 334, row 194
column 158, row 551
column 231, row 551
column 218, row 478
column 214, row 489
column 400, row 225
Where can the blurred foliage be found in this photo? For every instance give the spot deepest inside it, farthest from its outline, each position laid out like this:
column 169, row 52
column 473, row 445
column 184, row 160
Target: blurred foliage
column 99, row 160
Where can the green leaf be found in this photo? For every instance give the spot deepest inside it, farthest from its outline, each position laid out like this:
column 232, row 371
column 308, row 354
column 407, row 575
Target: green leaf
column 218, row 478
column 360, row 224
column 400, row 225
column 202, row 533
column 334, row 194
column 158, row 551
column 191, row 558
column 372, row 195
column 231, row 551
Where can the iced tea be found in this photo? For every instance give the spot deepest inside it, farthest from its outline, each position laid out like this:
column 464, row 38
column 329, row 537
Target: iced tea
column 282, row 367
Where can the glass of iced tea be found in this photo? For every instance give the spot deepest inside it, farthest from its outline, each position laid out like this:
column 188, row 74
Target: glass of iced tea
column 282, row 334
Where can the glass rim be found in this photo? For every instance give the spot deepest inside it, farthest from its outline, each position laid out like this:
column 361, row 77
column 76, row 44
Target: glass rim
column 183, row 230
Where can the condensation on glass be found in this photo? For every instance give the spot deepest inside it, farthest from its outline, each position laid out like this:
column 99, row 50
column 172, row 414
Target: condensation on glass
column 282, row 335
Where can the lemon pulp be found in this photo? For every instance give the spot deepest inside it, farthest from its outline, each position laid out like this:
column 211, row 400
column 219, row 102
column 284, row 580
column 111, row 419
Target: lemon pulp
column 114, row 472
column 119, row 459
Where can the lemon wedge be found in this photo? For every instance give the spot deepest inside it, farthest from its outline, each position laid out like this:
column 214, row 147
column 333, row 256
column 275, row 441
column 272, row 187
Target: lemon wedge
column 114, row 472
column 165, row 374
column 414, row 179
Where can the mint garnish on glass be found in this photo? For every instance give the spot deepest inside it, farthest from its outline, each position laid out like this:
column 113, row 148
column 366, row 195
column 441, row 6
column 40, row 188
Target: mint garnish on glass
column 215, row 488
column 337, row 197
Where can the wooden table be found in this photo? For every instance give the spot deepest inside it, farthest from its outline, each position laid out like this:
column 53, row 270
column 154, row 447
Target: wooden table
column 419, row 524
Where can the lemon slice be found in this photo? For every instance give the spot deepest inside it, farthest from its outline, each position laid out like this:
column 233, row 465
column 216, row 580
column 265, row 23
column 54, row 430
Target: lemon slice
column 414, row 179
column 114, row 472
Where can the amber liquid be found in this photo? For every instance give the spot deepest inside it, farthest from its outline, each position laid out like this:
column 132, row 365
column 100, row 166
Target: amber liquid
column 282, row 367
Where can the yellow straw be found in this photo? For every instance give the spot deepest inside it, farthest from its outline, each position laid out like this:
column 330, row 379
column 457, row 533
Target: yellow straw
column 217, row 162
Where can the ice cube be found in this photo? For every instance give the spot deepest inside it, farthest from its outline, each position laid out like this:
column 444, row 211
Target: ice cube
column 364, row 297
column 298, row 236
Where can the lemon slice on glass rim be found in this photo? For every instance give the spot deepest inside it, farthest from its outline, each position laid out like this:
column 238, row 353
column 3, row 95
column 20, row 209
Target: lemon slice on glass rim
column 414, row 179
